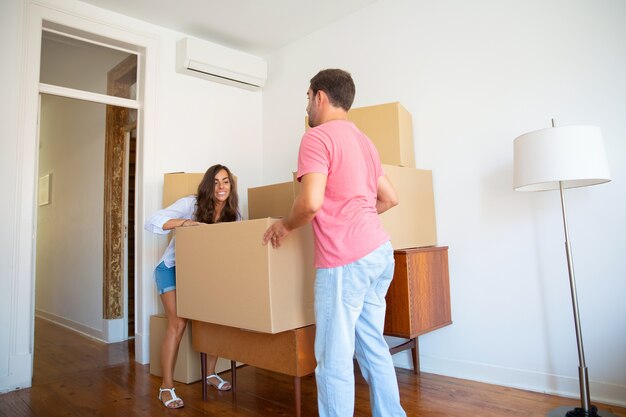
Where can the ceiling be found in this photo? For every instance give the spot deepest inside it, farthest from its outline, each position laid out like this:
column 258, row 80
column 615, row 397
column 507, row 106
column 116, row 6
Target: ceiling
column 255, row 26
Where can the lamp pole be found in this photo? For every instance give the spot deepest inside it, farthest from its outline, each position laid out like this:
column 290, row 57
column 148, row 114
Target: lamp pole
column 583, row 378
column 586, row 409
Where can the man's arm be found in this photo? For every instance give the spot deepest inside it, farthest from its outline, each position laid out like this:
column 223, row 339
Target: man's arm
column 308, row 202
column 305, row 207
column 386, row 197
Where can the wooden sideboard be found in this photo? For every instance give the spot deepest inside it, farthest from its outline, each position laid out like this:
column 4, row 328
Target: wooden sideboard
column 289, row 352
column 418, row 300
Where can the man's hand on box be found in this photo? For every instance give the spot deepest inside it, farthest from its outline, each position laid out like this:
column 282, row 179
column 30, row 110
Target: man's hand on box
column 275, row 234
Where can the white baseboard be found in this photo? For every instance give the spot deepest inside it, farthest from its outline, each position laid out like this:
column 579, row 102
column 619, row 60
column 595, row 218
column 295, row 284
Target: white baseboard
column 112, row 331
column 72, row 325
column 562, row 386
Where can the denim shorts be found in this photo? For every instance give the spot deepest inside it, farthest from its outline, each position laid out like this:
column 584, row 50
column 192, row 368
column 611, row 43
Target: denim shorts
column 165, row 278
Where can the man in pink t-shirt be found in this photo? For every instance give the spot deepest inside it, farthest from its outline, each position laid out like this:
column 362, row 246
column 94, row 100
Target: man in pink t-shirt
column 343, row 191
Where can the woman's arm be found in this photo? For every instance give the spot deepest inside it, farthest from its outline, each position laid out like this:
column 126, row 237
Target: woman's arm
column 173, row 216
column 174, row 223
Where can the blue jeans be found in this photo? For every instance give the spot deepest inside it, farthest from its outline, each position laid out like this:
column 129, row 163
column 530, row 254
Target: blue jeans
column 350, row 316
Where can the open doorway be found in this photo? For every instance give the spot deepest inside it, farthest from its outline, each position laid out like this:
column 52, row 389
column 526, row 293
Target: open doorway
column 85, row 223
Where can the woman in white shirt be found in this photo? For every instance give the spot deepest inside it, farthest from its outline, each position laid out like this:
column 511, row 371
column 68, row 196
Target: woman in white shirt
column 216, row 202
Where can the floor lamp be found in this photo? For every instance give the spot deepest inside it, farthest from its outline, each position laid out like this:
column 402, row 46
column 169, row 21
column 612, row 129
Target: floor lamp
column 554, row 159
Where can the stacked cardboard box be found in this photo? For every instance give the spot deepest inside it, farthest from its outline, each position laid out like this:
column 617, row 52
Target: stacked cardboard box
column 389, row 126
column 226, row 277
column 180, row 184
column 411, row 223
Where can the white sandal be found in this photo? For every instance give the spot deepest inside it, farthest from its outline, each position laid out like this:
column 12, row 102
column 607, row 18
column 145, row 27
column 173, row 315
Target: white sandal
column 173, row 399
column 220, row 385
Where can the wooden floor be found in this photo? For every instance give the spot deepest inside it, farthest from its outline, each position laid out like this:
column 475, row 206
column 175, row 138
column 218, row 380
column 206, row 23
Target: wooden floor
column 76, row 376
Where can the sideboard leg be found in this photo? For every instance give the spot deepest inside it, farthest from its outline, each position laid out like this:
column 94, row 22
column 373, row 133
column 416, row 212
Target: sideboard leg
column 297, row 395
column 233, row 375
column 203, row 374
column 416, row 356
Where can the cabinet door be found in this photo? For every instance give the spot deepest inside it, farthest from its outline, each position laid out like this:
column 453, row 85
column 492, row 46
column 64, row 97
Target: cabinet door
column 418, row 300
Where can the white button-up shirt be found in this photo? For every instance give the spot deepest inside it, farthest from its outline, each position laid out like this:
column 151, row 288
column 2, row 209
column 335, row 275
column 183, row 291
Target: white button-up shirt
column 181, row 209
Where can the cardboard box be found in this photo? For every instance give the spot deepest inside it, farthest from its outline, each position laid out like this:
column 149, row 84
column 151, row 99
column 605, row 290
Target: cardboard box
column 225, row 276
column 410, row 224
column 270, row 200
column 180, row 184
column 390, row 128
column 187, row 368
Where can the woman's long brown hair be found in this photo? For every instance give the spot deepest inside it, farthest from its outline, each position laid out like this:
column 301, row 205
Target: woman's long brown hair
column 205, row 203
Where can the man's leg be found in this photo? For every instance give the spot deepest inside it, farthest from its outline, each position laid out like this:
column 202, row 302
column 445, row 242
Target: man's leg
column 334, row 345
column 371, row 348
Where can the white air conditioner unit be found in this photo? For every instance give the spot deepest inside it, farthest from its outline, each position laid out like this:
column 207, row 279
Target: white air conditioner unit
column 218, row 63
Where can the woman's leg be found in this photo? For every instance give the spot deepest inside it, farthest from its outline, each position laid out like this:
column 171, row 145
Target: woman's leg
column 211, row 361
column 171, row 340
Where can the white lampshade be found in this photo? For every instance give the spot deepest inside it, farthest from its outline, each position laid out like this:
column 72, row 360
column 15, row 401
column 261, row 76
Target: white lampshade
column 574, row 155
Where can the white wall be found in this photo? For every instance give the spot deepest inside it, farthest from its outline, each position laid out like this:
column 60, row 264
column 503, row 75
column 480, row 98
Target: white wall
column 189, row 124
column 475, row 75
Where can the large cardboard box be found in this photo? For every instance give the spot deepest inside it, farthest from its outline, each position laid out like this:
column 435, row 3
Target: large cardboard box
column 390, row 128
column 270, row 200
column 187, row 369
column 410, row 224
column 180, row 184
column 225, row 276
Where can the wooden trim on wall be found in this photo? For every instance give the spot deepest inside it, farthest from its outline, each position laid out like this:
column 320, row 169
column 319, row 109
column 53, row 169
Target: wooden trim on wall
column 120, row 80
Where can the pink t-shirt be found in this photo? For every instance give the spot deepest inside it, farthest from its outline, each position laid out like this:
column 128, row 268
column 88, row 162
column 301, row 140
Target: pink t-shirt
column 347, row 226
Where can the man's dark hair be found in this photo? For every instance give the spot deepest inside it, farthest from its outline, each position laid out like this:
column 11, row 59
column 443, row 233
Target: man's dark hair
column 338, row 86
